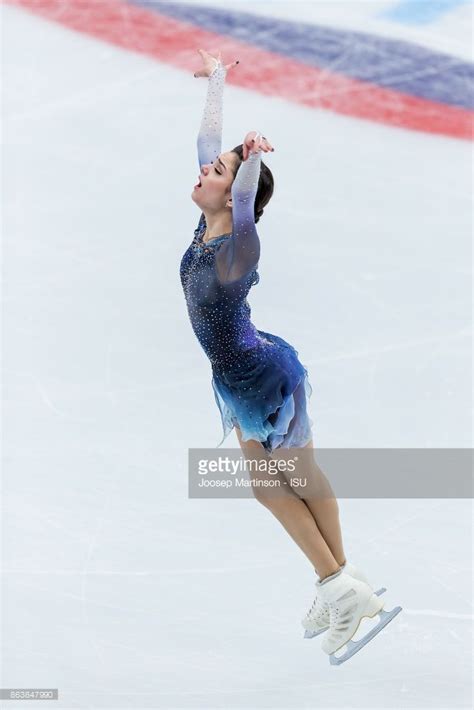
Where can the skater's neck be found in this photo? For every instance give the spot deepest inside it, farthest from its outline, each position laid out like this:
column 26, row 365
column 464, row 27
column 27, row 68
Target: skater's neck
column 217, row 224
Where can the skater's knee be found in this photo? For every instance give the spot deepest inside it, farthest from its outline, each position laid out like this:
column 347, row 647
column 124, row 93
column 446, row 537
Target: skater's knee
column 261, row 497
column 276, row 499
column 261, row 492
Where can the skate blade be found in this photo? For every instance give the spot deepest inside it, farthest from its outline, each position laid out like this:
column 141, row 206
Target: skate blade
column 354, row 646
column 312, row 634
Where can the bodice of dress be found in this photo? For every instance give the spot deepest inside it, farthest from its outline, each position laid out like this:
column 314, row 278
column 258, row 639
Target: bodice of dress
column 219, row 312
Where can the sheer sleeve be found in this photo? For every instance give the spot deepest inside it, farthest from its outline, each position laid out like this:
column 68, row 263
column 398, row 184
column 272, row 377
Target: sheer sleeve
column 209, row 139
column 239, row 255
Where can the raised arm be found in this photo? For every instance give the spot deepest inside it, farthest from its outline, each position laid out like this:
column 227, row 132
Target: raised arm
column 209, row 141
column 239, row 255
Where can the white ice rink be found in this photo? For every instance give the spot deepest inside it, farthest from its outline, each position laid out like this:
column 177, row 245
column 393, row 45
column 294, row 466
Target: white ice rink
column 117, row 589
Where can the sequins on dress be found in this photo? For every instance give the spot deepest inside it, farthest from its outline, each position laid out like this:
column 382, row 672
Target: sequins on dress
column 258, row 381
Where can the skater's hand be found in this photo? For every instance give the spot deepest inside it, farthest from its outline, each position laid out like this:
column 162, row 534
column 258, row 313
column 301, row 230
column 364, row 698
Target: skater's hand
column 254, row 142
column 210, row 62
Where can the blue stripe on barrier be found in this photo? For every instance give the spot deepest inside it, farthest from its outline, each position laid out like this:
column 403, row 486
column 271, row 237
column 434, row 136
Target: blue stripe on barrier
column 420, row 12
column 389, row 63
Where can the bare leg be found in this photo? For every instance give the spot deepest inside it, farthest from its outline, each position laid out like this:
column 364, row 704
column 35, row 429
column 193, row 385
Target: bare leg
column 318, row 494
column 325, row 511
column 292, row 512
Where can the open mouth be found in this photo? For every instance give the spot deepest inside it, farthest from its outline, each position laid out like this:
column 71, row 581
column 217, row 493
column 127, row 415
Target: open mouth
column 199, row 184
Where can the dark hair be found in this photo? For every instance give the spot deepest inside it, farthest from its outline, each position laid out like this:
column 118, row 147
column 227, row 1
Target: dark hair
column 265, row 184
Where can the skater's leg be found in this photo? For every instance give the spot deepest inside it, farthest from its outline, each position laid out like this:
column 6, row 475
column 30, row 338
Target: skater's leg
column 325, row 511
column 317, row 494
column 291, row 511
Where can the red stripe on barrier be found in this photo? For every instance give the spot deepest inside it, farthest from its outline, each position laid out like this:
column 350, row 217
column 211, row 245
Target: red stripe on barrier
column 176, row 43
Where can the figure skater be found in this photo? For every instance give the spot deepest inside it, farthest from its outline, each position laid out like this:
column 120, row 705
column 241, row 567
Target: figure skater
column 260, row 386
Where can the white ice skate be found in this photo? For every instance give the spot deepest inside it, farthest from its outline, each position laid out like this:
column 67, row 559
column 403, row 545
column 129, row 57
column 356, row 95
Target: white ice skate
column 349, row 600
column 316, row 620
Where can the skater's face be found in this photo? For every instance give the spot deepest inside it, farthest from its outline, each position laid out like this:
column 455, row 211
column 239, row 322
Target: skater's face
column 213, row 190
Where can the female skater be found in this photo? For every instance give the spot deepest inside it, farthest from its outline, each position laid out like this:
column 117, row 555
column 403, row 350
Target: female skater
column 259, row 384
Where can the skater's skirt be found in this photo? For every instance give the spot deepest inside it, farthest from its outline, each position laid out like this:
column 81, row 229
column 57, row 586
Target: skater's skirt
column 266, row 395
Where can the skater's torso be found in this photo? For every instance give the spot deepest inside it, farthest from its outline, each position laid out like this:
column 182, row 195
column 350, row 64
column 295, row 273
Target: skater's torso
column 219, row 313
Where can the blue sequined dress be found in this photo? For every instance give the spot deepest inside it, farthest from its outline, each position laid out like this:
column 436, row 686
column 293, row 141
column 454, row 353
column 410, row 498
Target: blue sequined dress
column 259, row 383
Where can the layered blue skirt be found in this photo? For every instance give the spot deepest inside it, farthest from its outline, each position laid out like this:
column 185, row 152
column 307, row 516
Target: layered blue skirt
column 266, row 394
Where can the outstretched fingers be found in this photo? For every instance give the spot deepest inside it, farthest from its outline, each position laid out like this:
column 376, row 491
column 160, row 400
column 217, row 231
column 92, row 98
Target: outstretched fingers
column 255, row 142
column 210, row 62
column 266, row 146
column 231, row 65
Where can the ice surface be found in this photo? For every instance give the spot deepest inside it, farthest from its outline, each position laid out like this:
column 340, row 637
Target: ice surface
column 118, row 589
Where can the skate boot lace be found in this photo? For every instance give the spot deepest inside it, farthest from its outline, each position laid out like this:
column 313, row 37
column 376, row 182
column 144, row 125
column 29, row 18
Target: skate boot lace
column 319, row 611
